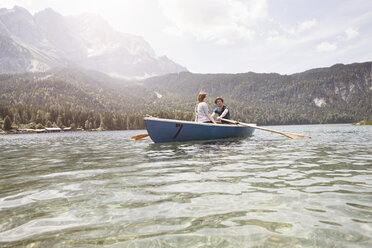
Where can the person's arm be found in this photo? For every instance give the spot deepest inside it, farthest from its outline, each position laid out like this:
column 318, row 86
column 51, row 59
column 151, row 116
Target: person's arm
column 206, row 112
column 196, row 114
column 224, row 113
column 211, row 118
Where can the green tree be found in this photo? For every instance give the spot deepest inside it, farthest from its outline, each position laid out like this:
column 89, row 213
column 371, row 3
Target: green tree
column 31, row 125
column 39, row 116
column 25, row 118
column 102, row 125
column 59, row 121
column 39, row 126
column 49, row 124
column 86, row 125
column 7, row 123
column 17, row 118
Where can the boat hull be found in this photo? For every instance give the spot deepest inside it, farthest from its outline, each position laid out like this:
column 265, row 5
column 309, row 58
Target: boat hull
column 166, row 130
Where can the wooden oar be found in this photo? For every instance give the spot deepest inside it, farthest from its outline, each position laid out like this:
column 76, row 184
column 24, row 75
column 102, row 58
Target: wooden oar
column 139, row 136
column 289, row 135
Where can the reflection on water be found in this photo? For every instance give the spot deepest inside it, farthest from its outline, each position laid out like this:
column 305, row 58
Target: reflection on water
column 102, row 189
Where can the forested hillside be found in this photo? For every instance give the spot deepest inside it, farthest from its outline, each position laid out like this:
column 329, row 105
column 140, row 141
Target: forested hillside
column 89, row 99
column 63, row 97
column 341, row 93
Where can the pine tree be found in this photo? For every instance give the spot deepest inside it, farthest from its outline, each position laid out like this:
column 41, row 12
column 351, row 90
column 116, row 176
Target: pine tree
column 59, row 121
column 86, row 125
column 49, row 124
column 7, row 123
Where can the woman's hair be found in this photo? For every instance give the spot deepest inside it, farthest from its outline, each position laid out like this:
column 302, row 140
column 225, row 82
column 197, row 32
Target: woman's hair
column 201, row 96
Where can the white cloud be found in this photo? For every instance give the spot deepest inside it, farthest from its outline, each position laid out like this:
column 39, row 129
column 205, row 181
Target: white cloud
column 306, row 25
column 220, row 21
column 326, row 47
column 351, row 33
column 294, row 30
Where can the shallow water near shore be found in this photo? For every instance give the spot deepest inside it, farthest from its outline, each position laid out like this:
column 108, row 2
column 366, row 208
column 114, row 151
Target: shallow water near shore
column 101, row 189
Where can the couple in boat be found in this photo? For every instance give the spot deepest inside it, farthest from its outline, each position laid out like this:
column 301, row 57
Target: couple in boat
column 202, row 112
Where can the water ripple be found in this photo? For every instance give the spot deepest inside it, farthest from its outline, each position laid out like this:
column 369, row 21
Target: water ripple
column 102, row 189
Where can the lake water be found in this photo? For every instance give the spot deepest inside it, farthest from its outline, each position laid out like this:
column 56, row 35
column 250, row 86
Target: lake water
column 101, row 189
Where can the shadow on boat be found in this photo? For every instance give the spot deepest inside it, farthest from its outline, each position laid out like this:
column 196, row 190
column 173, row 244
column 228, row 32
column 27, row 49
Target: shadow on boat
column 223, row 142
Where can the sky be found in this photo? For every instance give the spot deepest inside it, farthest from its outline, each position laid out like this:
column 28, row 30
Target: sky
column 237, row 36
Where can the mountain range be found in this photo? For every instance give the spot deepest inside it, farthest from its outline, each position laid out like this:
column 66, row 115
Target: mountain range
column 337, row 94
column 46, row 40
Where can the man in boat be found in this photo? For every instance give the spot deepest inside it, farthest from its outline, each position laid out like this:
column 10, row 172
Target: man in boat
column 222, row 110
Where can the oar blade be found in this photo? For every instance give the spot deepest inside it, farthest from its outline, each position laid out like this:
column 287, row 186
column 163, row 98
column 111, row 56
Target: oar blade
column 139, row 136
column 296, row 136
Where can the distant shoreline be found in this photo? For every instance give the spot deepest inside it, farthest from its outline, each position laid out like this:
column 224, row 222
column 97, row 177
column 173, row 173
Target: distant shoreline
column 41, row 131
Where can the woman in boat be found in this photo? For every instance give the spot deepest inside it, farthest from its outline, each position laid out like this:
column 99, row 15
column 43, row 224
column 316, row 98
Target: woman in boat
column 222, row 110
column 202, row 113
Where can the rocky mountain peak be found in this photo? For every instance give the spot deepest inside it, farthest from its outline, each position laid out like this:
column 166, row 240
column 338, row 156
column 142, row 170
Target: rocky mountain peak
column 20, row 24
column 87, row 40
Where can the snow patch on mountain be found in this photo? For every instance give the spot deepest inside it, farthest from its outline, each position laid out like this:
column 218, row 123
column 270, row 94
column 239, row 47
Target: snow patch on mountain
column 37, row 66
column 158, row 95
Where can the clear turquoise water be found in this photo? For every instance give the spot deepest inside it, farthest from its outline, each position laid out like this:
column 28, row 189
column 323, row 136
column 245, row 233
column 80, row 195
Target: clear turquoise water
column 100, row 189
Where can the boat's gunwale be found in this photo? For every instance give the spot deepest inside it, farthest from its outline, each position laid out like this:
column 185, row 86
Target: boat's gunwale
column 195, row 123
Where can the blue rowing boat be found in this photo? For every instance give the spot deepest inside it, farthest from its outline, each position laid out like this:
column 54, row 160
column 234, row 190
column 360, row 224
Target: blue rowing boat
column 166, row 130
